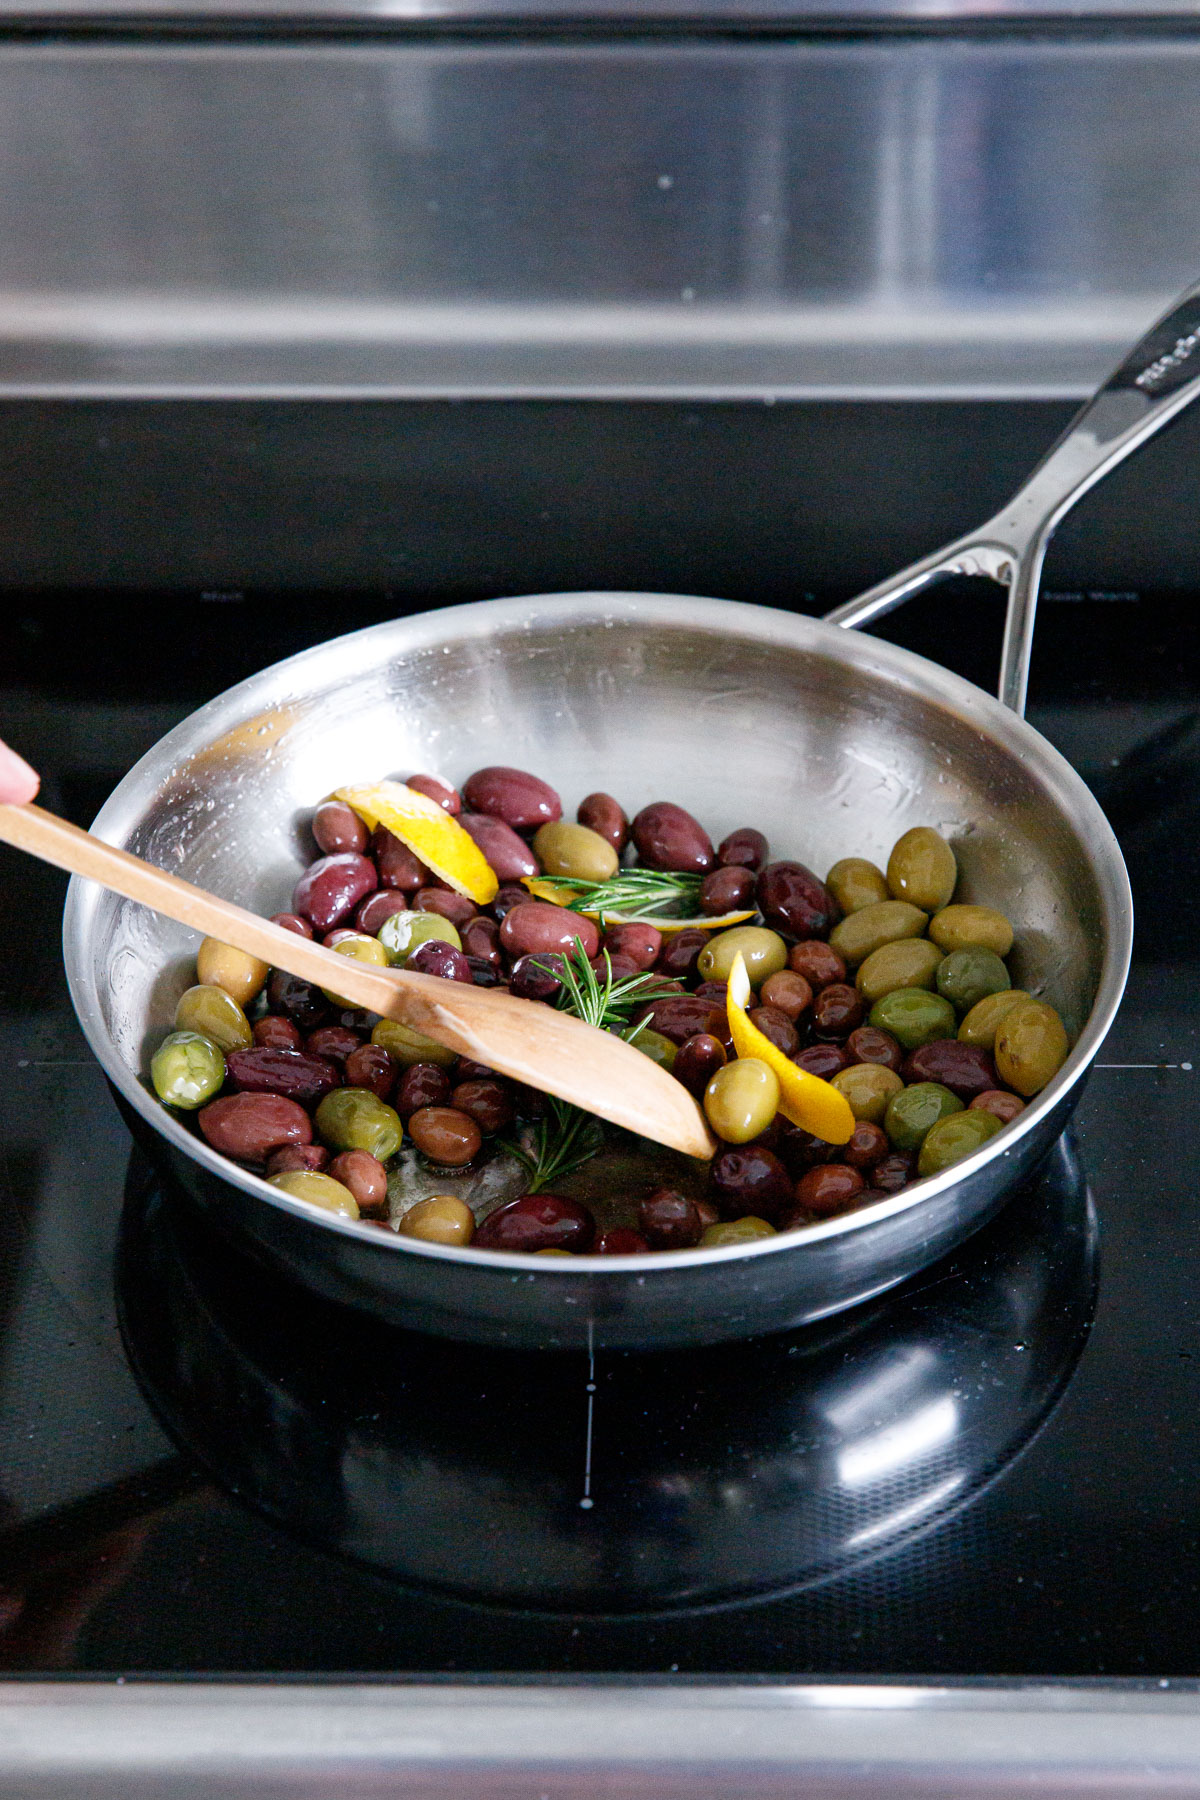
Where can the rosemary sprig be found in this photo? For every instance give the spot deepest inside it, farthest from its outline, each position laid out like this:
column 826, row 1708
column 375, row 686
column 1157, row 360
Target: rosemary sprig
column 567, row 1137
column 634, row 893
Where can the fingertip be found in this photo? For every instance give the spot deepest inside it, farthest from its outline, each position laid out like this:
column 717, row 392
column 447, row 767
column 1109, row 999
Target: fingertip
column 18, row 782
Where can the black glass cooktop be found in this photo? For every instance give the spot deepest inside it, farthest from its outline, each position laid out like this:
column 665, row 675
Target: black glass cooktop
column 993, row 1471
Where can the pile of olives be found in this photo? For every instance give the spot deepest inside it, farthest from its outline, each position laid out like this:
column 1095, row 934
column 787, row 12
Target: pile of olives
column 874, row 980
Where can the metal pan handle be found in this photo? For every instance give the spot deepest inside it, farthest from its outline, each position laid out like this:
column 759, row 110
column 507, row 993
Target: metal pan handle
column 1158, row 378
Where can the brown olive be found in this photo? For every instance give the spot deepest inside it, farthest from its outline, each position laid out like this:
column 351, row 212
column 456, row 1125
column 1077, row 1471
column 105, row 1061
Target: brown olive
column 489, row 1103
column 822, row 1060
column 337, row 827
column 604, row 815
column 743, row 849
column 377, row 908
column 336, row 1042
column 288, row 921
column 481, row 939
column 965, row 1069
column 424, row 1084
column 818, row 962
column 669, row 1221
column 297, row 1156
column 681, row 952
column 298, row 1000
column 837, row 1011
column 681, row 1016
column 776, row 1027
column 621, row 1240
column 366, row 1178
column 867, row 1146
column 792, row 900
column 727, row 890
column 697, row 1060
column 893, row 1172
column 445, row 1135
column 787, row 992
column 370, row 1067
column 273, row 1033
column 290, row 1072
column 249, row 1127
column 829, row 1188
column 870, row 1045
column 750, row 1179
column 446, row 904
column 508, row 856
column 1005, row 1106
column 539, row 926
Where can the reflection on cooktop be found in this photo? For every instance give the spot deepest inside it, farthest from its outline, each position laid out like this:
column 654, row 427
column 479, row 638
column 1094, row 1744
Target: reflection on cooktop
column 627, row 1482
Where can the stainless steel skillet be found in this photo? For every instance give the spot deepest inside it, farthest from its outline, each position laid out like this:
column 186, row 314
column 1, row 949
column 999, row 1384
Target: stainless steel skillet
column 833, row 743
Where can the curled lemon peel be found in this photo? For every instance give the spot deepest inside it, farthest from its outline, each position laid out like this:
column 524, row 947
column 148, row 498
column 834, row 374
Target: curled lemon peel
column 430, row 833
column 561, row 896
column 814, row 1105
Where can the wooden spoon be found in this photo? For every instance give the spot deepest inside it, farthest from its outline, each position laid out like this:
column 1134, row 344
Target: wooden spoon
column 550, row 1050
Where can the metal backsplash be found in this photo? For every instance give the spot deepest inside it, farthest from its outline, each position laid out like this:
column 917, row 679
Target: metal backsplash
column 908, row 217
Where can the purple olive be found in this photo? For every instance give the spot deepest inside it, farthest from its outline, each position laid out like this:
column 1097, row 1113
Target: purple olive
column 507, row 855
column 521, row 800
column 434, row 788
column 621, row 1240
column 336, row 1042
column 666, row 837
column 297, row 1000
column 681, row 1016
column 697, row 1060
column 398, row 867
column 743, row 849
column 337, row 827
column 423, row 1084
column 481, row 938
column 639, row 940
column 822, row 1060
column 458, row 908
column 286, row 1074
column 680, row 953
column 376, row 908
column 371, row 1067
column 792, row 900
column 837, row 1011
column 751, row 1179
column 540, row 926
column 727, row 890
column 777, row 1028
column 603, row 815
column 966, row 1069
column 330, row 889
column 434, row 957
column 536, row 1222
column 669, row 1220
column 536, row 977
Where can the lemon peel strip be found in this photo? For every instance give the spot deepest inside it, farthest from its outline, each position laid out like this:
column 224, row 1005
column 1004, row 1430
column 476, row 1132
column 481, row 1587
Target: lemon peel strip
column 561, row 896
column 807, row 1101
column 430, row 833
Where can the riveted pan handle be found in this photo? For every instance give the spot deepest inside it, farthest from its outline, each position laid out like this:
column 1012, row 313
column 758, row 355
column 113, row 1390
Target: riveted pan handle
column 1159, row 377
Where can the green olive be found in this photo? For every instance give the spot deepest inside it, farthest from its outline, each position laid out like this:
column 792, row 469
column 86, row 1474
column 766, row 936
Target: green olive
column 922, row 869
column 187, row 1069
column 354, row 1118
column 216, row 1015
column 406, row 1046
column 854, row 883
column 440, row 1219
column 317, row 1189
column 983, row 1021
column 403, row 931
column 565, row 849
column 361, row 949
column 916, row 1110
column 968, row 976
column 220, row 965
column 741, row 1099
column 913, row 1016
column 954, row 1137
column 1031, row 1046
column 912, row 963
column 868, row 1087
column 956, row 927
column 658, row 1048
column 735, row 1231
column 886, row 922
column 764, row 953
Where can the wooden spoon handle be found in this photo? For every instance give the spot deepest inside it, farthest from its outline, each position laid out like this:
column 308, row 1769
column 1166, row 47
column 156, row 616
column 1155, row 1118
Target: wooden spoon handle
column 535, row 1044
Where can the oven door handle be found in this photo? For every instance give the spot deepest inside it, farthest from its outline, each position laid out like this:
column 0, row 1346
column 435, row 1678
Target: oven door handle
column 1157, row 380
